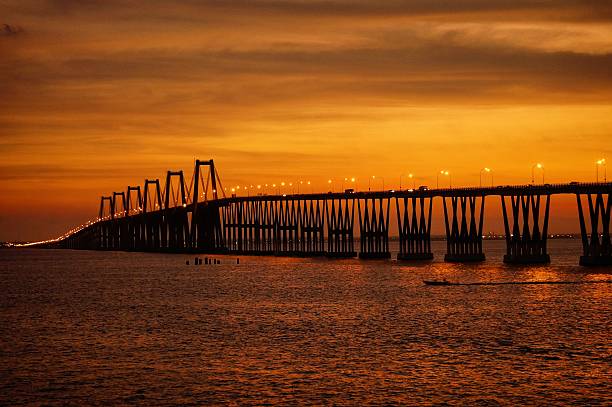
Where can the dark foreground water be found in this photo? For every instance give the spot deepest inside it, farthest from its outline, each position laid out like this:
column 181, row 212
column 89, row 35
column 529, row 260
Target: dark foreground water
column 81, row 327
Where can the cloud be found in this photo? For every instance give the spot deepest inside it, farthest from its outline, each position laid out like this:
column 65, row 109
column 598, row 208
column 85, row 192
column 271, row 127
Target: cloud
column 10, row 30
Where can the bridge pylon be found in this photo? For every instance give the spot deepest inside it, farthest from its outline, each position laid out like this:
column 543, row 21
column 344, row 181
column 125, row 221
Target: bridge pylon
column 119, row 225
column 152, row 215
column 134, row 219
column 414, row 226
column 175, row 233
column 596, row 245
column 526, row 241
column 206, row 233
column 105, row 223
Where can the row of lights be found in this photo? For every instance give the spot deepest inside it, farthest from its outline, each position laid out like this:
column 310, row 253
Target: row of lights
column 443, row 173
column 262, row 188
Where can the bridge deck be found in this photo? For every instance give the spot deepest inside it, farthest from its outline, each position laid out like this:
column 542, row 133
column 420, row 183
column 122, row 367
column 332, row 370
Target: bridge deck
column 502, row 190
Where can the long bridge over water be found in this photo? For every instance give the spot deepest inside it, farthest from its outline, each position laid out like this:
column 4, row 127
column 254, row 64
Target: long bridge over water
column 193, row 218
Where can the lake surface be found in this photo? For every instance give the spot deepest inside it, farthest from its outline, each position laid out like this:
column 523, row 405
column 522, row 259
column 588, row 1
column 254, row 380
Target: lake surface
column 80, row 327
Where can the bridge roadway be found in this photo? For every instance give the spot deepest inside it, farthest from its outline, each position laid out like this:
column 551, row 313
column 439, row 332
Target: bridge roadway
column 323, row 224
column 502, row 190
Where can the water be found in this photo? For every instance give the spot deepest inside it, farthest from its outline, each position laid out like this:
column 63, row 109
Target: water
column 80, row 327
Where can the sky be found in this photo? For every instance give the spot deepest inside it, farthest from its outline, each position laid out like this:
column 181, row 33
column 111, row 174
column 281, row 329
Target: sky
column 98, row 95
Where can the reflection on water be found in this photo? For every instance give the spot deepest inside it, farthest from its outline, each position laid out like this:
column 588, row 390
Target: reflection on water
column 92, row 327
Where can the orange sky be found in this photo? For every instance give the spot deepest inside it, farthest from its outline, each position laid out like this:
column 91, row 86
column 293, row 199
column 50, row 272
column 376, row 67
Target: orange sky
column 98, row 95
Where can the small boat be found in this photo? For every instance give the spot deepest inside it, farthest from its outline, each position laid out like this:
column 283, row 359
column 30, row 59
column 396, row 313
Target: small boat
column 437, row 282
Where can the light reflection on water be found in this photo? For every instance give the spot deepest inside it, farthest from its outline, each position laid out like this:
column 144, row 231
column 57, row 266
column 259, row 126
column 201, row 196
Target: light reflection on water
column 94, row 327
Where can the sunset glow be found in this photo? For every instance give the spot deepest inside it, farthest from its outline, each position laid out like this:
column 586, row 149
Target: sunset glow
column 97, row 96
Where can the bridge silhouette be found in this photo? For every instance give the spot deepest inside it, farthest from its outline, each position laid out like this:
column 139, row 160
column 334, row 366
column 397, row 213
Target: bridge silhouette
column 194, row 218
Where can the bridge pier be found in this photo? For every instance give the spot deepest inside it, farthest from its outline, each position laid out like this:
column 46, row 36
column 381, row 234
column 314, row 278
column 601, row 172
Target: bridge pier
column 374, row 228
column 206, row 231
column 311, row 236
column 463, row 242
column 340, row 222
column 85, row 239
column 102, row 230
column 176, row 229
column 134, row 232
column 286, row 228
column 526, row 245
column 231, row 224
column 596, row 245
column 414, row 230
column 250, row 227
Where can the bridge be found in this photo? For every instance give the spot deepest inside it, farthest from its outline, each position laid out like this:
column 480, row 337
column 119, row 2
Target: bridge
column 192, row 217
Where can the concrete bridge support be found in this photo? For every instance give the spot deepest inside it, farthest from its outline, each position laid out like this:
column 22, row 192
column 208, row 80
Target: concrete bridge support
column 374, row 228
column 526, row 239
column 340, row 217
column 176, row 229
column 133, row 230
column 414, row 226
column 103, row 230
column 287, row 227
column 311, row 216
column 463, row 236
column 596, row 245
column 85, row 239
column 242, row 224
column 206, row 230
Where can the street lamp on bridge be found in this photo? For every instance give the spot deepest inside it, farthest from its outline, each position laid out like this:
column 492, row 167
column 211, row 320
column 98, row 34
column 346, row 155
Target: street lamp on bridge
column 486, row 169
column 374, row 177
column 411, row 176
column 444, row 172
column 598, row 163
column 533, row 167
